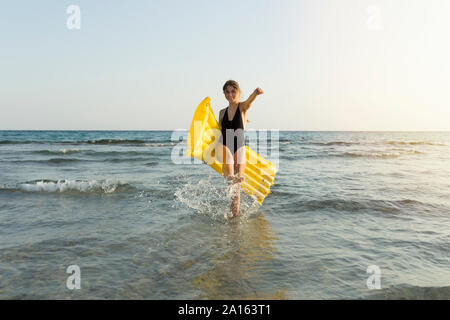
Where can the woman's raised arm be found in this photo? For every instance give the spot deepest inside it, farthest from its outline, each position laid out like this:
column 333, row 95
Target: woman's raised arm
column 247, row 104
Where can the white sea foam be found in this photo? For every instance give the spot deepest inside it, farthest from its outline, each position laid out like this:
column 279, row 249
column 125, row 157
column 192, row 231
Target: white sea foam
column 104, row 186
column 69, row 151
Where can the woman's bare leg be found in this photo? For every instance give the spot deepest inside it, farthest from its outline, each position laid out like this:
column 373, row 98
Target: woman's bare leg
column 239, row 167
column 233, row 170
column 240, row 162
column 228, row 171
column 236, row 194
column 228, row 163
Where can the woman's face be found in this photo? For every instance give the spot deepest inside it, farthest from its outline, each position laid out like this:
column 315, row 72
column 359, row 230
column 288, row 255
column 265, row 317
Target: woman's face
column 231, row 94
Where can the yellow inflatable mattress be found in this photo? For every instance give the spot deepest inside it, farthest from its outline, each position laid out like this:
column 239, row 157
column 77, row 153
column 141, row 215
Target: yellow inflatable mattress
column 203, row 142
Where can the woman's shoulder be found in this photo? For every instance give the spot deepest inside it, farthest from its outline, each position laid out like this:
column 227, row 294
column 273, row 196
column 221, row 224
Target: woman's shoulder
column 221, row 113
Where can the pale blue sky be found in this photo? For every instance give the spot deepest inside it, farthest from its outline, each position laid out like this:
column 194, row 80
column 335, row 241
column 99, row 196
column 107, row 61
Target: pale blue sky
column 146, row 65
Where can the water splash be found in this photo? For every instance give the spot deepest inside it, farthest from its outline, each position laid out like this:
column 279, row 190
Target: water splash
column 211, row 197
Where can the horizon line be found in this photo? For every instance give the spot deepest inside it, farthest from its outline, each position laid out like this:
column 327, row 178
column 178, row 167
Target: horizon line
column 182, row 129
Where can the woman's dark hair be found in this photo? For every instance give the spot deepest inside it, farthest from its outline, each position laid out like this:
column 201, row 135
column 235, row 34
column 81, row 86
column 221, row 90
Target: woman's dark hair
column 232, row 83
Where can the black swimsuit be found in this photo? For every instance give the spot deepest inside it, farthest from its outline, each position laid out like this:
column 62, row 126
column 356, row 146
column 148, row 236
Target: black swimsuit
column 235, row 128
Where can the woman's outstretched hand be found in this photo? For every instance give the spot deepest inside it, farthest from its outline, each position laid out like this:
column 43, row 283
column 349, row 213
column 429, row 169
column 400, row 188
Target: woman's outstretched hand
column 258, row 91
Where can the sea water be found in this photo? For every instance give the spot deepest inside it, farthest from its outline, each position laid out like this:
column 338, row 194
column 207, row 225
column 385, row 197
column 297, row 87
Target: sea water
column 351, row 215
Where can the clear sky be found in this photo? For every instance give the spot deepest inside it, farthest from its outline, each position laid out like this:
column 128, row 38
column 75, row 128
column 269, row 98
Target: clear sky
column 146, row 65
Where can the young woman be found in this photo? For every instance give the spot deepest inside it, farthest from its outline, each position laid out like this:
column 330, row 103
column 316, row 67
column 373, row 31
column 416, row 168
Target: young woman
column 233, row 119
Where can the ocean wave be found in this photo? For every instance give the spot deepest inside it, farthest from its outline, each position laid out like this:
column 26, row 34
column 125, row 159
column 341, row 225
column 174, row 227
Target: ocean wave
column 48, row 161
column 334, row 143
column 115, row 141
column 161, row 144
column 70, row 186
column 17, row 142
column 61, row 160
column 355, row 154
column 285, row 156
column 414, row 143
column 378, row 154
column 113, row 153
column 119, row 153
column 377, row 205
column 72, row 160
column 57, row 152
column 392, row 142
column 117, row 160
column 133, row 142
